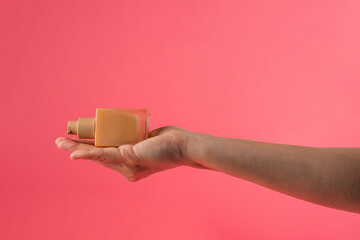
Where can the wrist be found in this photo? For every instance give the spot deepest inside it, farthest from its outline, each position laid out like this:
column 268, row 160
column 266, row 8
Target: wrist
column 197, row 148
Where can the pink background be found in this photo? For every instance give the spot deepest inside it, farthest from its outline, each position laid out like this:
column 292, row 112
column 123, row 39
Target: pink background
column 276, row 71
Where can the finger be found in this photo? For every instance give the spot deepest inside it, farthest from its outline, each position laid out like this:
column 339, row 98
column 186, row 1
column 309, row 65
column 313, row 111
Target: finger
column 59, row 139
column 71, row 145
column 87, row 141
column 109, row 154
column 80, row 154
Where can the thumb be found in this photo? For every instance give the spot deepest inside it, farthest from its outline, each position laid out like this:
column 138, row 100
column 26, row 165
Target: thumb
column 109, row 154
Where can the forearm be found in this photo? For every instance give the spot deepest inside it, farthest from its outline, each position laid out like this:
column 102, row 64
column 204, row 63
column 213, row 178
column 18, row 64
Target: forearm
column 326, row 176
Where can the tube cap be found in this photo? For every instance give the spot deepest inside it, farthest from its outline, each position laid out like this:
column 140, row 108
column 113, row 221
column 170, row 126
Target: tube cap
column 83, row 127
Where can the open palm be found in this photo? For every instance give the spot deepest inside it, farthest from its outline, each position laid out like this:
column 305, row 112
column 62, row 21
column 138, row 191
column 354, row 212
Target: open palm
column 165, row 148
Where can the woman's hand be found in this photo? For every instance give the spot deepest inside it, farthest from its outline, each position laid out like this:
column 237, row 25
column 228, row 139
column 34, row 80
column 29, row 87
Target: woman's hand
column 326, row 176
column 166, row 148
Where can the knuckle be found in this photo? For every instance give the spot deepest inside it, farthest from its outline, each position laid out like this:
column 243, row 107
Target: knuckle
column 97, row 154
column 129, row 154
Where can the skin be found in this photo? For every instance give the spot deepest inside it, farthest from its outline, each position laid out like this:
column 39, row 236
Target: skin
column 325, row 176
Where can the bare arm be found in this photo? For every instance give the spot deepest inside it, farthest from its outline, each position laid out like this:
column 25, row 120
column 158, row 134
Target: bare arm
column 326, row 176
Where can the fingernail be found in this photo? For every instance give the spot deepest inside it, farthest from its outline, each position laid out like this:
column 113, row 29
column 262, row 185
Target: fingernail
column 79, row 154
column 73, row 156
column 66, row 144
column 60, row 141
column 60, row 144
